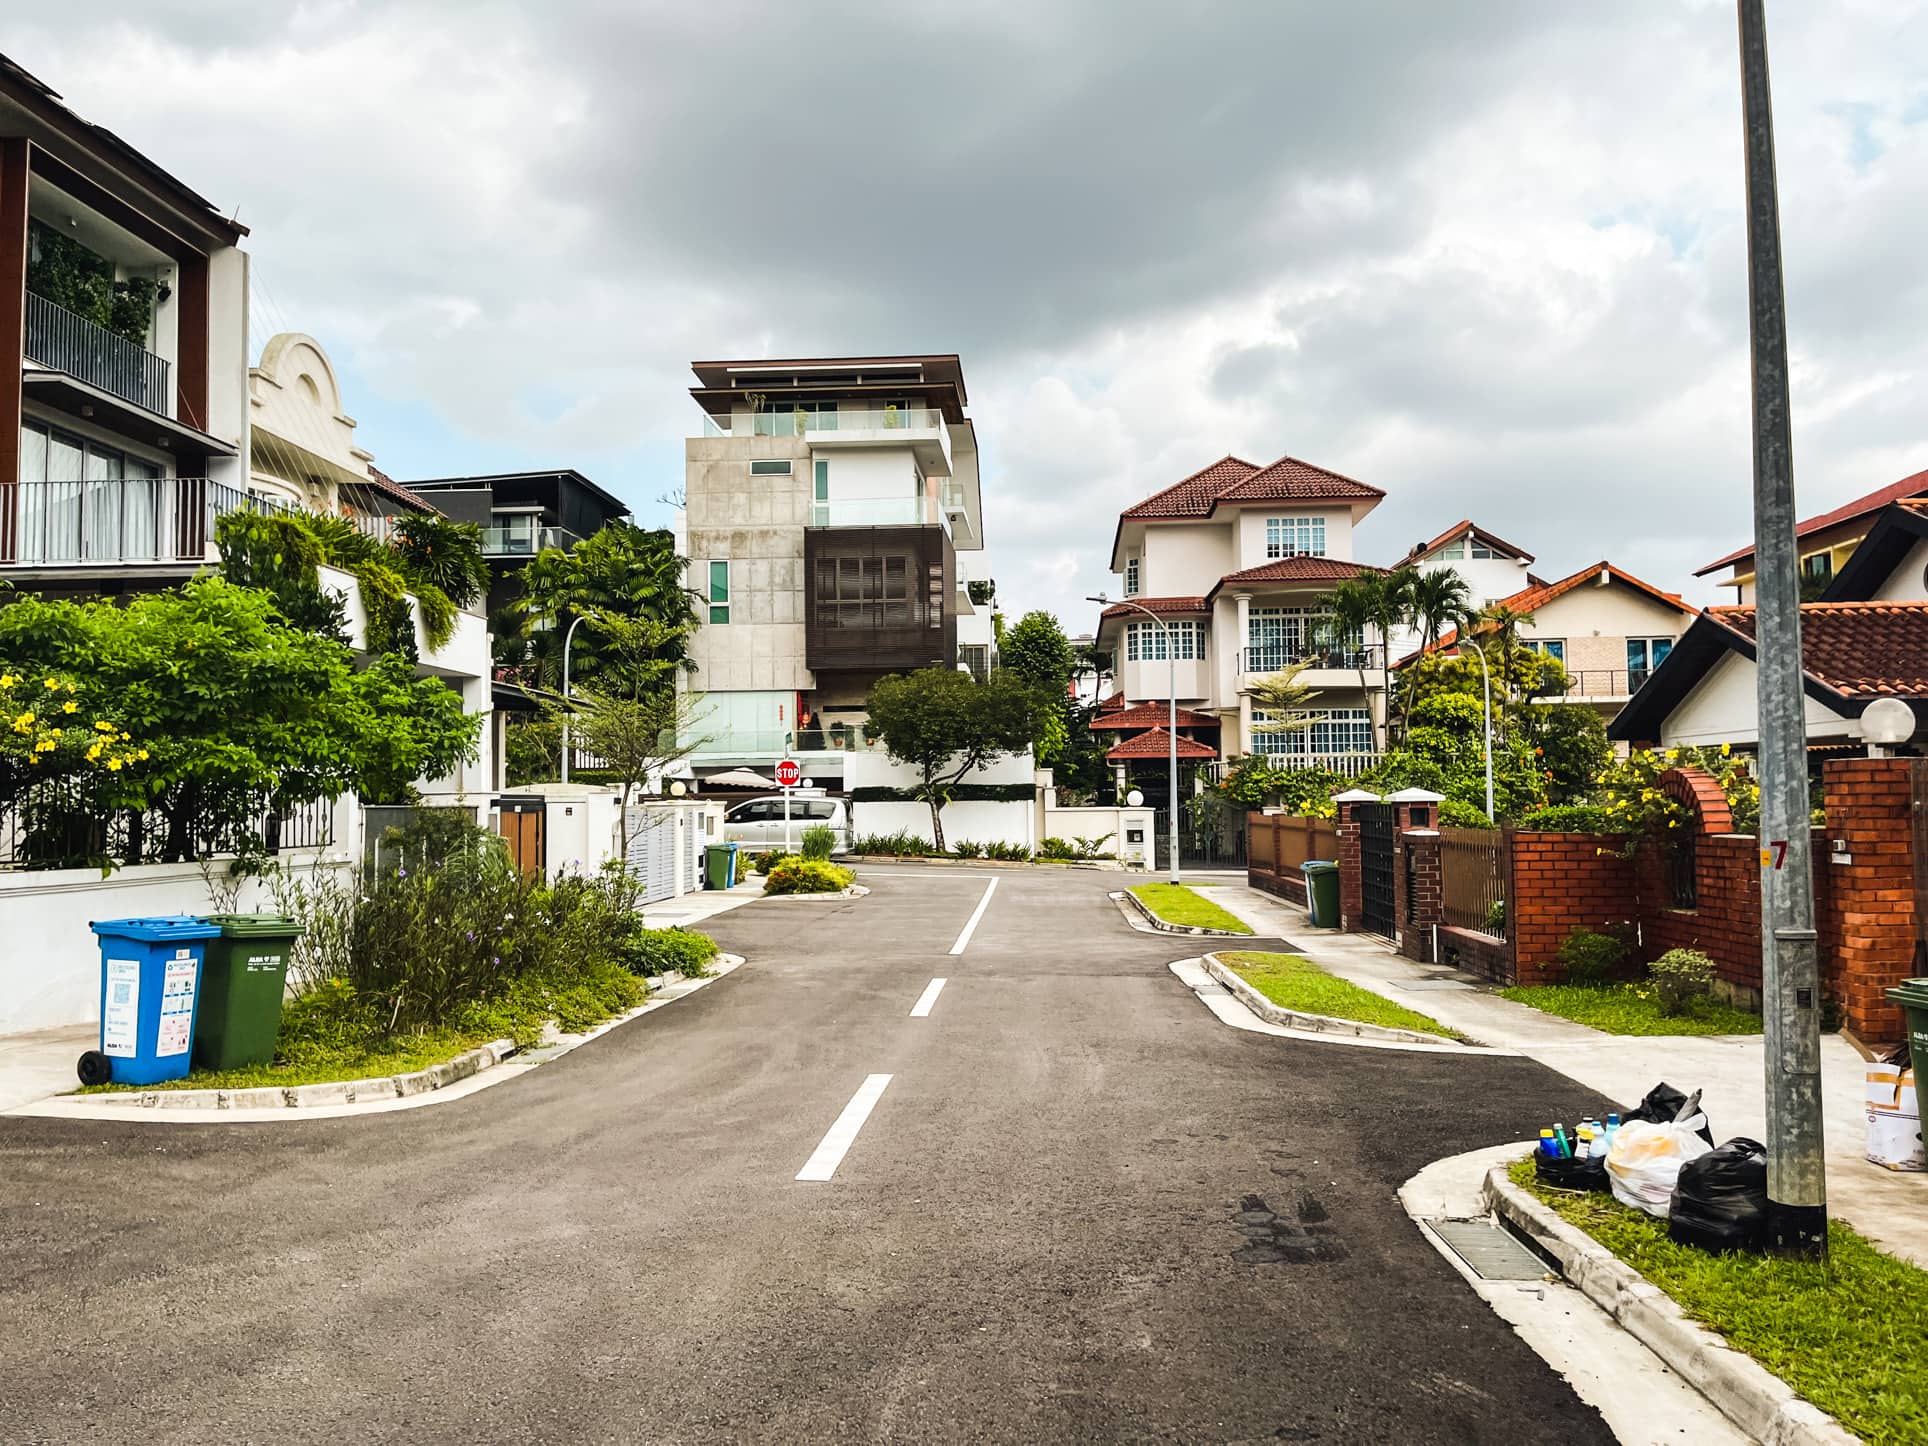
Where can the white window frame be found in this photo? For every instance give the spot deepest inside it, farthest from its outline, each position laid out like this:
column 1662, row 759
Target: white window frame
column 1132, row 574
column 1145, row 642
column 1295, row 536
column 1337, row 733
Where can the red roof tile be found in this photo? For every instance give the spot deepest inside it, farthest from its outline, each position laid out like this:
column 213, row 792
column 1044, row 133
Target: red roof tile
column 1152, row 715
column 1460, row 529
column 1113, row 703
column 1197, row 494
column 1915, row 486
column 1531, row 599
column 1158, row 744
column 1868, row 649
column 383, row 483
column 1157, row 605
column 1299, row 569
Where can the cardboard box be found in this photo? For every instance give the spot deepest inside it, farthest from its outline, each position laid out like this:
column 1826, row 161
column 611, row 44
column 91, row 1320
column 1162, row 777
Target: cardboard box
column 1894, row 1119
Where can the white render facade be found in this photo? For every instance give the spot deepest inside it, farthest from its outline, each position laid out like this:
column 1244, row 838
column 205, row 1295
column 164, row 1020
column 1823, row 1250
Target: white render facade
column 834, row 524
column 1237, row 560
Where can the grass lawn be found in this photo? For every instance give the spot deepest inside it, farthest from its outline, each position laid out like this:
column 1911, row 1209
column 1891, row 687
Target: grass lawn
column 409, row 1053
column 1850, row 1335
column 1294, row 983
column 1176, row 904
column 1621, row 1009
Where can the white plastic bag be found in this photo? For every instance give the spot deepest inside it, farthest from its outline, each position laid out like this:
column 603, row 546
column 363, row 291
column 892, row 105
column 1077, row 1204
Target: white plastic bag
column 1644, row 1161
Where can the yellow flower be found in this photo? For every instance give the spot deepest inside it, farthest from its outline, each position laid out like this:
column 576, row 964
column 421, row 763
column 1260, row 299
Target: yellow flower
column 93, row 753
column 70, row 706
column 100, row 727
column 113, row 765
column 50, row 684
column 7, row 680
column 1726, row 749
column 141, row 754
column 23, row 723
column 45, row 745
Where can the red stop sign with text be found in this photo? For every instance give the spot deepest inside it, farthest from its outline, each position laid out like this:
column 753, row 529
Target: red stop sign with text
column 789, row 773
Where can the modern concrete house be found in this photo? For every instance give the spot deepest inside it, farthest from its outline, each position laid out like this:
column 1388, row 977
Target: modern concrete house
column 521, row 513
column 123, row 357
column 1238, row 560
column 834, row 526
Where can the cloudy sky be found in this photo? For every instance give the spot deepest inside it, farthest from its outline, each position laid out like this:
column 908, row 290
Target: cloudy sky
column 1486, row 256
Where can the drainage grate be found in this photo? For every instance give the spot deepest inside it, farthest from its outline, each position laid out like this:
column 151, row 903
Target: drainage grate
column 1490, row 1252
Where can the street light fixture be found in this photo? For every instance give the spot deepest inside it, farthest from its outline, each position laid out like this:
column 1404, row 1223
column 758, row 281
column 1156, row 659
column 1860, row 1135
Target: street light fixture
column 1486, row 691
column 1171, row 657
column 567, row 638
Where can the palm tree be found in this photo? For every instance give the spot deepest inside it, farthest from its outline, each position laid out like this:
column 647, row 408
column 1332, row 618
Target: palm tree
column 1504, row 624
column 1381, row 602
column 1438, row 599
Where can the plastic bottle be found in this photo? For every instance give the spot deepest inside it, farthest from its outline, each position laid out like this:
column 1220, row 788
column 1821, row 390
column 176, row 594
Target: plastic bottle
column 1547, row 1147
column 1559, row 1139
column 1613, row 1127
column 1599, row 1151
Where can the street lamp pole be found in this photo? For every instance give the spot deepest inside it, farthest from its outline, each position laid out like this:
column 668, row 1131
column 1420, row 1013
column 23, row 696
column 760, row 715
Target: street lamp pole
column 1486, row 692
column 1797, row 1200
column 1171, row 730
column 567, row 638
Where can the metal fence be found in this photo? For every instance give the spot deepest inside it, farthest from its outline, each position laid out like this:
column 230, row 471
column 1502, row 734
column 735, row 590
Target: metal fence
column 55, row 827
column 57, row 337
column 1472, row 868
column 1276, row 845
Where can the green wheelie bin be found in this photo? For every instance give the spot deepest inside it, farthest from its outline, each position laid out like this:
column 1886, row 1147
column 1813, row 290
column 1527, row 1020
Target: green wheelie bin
column 1912, row 996
column 720, row 866
column 1321, row 893
column 243, row 977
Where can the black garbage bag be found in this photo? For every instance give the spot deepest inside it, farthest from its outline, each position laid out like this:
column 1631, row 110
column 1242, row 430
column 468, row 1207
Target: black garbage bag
column 1720, row 1201
column 1571, row 1174
column 1662, row 1106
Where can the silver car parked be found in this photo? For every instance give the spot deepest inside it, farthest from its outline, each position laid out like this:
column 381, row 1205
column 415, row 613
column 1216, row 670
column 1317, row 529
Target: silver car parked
column 757, row 823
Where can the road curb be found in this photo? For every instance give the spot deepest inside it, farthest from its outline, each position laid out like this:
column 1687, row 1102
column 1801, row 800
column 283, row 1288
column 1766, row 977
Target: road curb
column 1130, row 903
column 855, row 891
column 165, row 1106
column 1316, row 1023
column 1746, row 1392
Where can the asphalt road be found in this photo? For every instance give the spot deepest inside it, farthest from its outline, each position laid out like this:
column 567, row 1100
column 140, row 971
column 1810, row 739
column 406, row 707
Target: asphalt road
column 1034, row 1235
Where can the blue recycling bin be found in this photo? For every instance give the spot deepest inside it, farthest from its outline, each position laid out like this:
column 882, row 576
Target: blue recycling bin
column 150, row 977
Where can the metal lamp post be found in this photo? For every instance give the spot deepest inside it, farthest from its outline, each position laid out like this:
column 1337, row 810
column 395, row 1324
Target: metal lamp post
column 1171, row 732
column 568, row 637
column 1486, row 691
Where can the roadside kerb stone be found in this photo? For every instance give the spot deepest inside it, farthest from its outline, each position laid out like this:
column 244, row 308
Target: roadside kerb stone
column 1132, row 904
column 855, row 891
column 1747, row 1393
column 1314, row 1023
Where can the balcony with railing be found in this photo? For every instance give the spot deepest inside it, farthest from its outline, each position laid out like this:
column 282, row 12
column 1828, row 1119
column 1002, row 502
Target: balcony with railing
column 876, row 512
column 500, row 541
column 775, row 743
column 58, row 338
column 119, row 521
column 1601, row 685
column 921, row 429
column 1276, row 657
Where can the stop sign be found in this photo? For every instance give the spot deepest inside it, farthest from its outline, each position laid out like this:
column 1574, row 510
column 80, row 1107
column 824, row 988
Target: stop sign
column 789, row 772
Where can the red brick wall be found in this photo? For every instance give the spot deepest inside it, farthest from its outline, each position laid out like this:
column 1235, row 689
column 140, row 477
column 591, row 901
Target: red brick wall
column 1725, row 925
column 1870, row 945
column 1561, row 882
column 1480, row 954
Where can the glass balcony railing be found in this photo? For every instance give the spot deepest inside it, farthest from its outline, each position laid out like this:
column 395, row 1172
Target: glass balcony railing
column 501, row 541
column 803, row 424
column 58, row 338
column 777, row 743
column 874, row 512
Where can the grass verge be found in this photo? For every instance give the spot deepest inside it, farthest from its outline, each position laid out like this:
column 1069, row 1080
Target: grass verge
column 1626, row 1009
column 1849, row 1335
column 1176, row 904
column 327, row 1035
column 1295, row 983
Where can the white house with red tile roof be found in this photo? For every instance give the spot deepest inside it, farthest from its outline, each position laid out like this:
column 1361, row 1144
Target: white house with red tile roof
column 1492, row 567
column 1608, row 628
column 1237, row 559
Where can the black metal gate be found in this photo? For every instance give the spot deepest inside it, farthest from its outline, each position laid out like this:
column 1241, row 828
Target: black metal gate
column 1376, row 868
column 1199, row 849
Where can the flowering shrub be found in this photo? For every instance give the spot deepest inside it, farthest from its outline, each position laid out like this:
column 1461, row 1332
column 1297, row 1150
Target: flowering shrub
column 807, row 876
column 50, row 732
column 1680, row 976
column 1630, row 791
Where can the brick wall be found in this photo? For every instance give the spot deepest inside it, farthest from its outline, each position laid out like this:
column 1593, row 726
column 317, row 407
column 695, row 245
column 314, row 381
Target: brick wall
column 1561, row 882
column 1480, row 954
column 1725, row 925
column 1870, row 945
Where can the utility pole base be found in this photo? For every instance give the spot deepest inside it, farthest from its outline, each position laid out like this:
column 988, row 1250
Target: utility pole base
column 1797, row 1232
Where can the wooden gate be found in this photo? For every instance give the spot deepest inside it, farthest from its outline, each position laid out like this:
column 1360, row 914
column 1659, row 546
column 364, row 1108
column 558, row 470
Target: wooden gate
column 1376, row 868
column 520, row 821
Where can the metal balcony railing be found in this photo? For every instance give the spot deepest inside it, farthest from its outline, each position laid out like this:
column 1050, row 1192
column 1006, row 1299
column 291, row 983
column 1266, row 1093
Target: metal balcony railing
column 123, row 520
column 1605, row 682
column 58, row 338
column 1276, row 657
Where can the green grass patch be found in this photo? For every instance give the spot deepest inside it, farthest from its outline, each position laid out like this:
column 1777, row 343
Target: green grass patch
column 1176, row 904
column 1632, row 1009
column 1295, row 983
column 1850, row 1335
column 328, row 1035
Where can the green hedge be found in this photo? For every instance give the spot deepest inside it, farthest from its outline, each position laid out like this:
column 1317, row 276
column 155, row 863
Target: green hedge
column 1567, row 818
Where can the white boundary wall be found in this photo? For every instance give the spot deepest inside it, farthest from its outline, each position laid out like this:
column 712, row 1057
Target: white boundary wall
column 50, row 973
column 977, row 822
column 1071, row 824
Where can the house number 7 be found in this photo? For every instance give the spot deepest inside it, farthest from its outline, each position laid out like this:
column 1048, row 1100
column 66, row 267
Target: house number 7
column 1775, row 854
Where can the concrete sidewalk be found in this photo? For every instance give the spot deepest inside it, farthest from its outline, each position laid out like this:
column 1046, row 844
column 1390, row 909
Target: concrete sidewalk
column 703, row 904
column 1887, row 1206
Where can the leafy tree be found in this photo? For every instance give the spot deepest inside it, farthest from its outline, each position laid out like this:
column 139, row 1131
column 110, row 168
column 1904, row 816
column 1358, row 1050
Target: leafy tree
column 1285, row 698
column 1436, row 600
column 445, row 554
column 946, row 724
column 635, row 733
column 1036, row 650
column 1570, row 742
column 1444, row 750
column 622, row 571
column 234, row 708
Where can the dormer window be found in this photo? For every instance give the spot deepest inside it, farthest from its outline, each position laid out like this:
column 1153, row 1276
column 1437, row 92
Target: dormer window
column 1295, row 537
